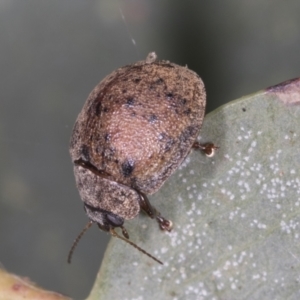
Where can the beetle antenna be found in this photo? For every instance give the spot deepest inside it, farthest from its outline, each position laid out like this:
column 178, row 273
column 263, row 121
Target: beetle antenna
column 114, row 233
column 87, row 226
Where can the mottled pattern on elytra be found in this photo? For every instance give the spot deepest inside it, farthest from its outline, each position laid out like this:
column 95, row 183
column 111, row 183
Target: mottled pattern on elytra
column 102, row 193
column 140, row 122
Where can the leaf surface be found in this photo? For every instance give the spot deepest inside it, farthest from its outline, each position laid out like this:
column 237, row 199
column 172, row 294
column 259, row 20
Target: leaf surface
column 236, row 215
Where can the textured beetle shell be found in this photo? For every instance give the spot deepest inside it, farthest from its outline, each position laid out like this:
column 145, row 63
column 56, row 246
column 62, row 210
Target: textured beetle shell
column 137, row 126
column 113, row 196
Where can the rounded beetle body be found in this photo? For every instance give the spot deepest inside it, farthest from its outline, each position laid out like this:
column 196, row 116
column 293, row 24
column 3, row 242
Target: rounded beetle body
column 135, row 129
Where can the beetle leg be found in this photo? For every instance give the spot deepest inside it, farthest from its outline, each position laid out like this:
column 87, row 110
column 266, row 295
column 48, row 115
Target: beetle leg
column 207, row 148
column 144, row 202
column 146, row 206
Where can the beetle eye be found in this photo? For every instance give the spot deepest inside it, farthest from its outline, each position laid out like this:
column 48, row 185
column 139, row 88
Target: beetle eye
column 114, row 220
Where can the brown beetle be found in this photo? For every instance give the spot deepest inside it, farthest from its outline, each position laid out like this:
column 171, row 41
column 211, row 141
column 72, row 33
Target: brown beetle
column 135, row 129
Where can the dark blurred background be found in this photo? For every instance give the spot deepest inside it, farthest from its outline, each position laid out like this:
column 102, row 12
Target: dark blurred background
column 52, row 55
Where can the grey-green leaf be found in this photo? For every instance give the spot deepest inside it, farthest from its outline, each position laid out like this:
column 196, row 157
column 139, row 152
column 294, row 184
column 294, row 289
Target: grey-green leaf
column 236, row 216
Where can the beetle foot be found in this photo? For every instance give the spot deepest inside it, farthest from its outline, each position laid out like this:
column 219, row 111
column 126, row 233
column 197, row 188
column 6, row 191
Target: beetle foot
column 208, row 148
column 164, row 224
column 152, row 212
